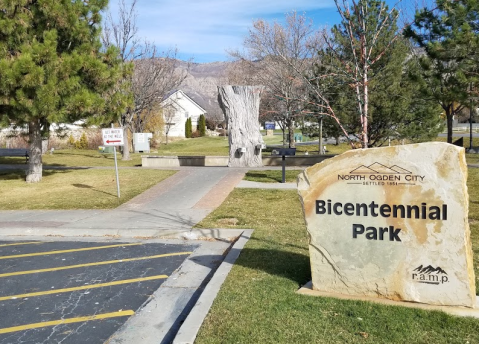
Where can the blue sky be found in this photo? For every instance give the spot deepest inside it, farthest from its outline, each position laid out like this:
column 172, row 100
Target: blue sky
column 204, row 29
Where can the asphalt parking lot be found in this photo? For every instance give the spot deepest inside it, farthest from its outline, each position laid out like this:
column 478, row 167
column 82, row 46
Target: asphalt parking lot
column 78, row 291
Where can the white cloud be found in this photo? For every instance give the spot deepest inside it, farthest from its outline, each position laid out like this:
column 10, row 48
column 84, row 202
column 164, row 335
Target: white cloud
column 210, row 26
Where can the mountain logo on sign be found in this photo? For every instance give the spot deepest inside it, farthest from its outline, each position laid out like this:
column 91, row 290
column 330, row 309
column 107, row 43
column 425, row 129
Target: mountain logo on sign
column 429, row 275
column 378, row 168
column 429, row 269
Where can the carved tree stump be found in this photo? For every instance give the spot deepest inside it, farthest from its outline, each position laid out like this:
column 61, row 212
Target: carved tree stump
column 240, row 105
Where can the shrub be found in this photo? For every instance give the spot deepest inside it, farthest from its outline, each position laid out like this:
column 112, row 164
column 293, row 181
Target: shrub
column 210, row 124
column 195, row 134
column 202, row 125
column 71, row 141
column 82, row 143
column 188, row 128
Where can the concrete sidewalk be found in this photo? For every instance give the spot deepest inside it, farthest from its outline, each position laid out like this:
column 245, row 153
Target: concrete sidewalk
column 171, row 207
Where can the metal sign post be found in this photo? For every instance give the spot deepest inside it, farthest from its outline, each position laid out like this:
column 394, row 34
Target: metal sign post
column 114, row 137
column 116, row 172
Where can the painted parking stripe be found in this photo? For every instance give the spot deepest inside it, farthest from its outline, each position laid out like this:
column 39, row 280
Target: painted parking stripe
column 66, row 251
column 26, row 272
column 23, row 243
column 83, row 287
column 66, row 321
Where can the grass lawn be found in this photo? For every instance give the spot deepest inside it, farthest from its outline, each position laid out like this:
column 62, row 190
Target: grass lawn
column 79, row 157
column 258, row 303
column 197, row 146
column 75, row 189
column 272, row 176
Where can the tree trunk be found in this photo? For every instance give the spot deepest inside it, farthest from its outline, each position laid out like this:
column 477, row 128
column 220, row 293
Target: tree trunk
column 449, row 119
column 291, row 133
column 285, row 137
column 35, row 167
column 240, row 105
column 365, row 109
column 126, row 146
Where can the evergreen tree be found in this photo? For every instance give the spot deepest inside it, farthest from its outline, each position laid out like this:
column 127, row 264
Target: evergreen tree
column 52, row 69
column 188, row 128
column 360, row 42
column 449, row 37
column 71, row 141
column 82, row 143
column 202, row 125
column 395, row 108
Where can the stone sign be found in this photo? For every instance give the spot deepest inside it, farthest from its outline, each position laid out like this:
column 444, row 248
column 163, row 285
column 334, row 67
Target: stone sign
column 391, row 223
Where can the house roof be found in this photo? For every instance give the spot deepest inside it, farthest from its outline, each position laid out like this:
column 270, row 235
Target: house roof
column 183, row 94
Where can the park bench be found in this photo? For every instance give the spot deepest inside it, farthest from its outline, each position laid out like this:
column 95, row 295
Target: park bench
column 11, row 152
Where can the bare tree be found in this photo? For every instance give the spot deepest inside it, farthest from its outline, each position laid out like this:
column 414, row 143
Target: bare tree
column 153, row 78
column 240, row 105
column 285, row 53
column 154, row 74
column 364, row 24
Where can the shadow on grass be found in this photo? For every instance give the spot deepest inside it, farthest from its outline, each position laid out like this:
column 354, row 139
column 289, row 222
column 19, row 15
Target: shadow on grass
column 256, row 175
column 21, row 174
column 84, row 186
column 291, row 265
column 12, row 161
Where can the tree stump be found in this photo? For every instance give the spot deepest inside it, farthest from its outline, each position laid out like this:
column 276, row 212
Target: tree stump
column 240, row 105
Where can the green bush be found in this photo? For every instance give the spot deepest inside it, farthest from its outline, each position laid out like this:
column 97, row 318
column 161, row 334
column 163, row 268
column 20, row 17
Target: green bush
column 71, row 141
column 202, row 125
column 82, row 143
column 188, row 128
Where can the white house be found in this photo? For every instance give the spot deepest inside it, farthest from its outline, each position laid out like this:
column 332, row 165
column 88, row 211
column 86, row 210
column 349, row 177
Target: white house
column 177, row 108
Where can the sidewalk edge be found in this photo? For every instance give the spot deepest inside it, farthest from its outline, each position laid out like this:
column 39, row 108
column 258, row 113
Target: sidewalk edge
column 190, row 327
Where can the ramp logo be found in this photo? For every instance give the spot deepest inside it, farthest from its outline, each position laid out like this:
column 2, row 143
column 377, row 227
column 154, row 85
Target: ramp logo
column 379, row 174
column 430, row 275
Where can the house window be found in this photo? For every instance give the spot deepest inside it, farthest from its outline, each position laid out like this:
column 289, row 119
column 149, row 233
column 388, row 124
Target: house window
column 187, row 114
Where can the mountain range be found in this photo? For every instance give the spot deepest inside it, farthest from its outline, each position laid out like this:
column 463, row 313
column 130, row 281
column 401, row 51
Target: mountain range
column 202, row 81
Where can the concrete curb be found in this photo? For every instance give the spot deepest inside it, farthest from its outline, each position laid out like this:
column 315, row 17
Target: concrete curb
column 193, row 234
column 190, row 327
column 160, row 317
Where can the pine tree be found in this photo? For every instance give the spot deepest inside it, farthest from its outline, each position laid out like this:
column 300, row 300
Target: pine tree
column 202, row 125
column 449, row 37
column 188, row 128
column 52, row 69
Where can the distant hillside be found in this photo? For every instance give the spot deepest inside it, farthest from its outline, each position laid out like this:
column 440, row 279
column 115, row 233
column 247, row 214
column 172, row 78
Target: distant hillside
column 202, row 82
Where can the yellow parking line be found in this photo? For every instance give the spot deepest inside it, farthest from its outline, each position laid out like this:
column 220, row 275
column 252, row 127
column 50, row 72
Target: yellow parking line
column 83, row 287
column 26, row 272
column 65, row 251
column 66, row 321
column 23, row 243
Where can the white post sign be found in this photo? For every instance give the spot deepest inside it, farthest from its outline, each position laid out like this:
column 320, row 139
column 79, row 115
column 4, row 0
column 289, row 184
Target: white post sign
column 112, row 137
